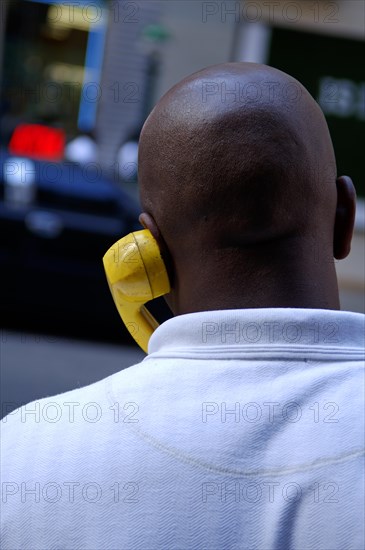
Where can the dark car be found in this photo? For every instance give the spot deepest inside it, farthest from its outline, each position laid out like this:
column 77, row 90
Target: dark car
column 56, row 222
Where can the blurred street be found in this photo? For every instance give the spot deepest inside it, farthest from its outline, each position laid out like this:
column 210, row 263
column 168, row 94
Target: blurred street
column 33, row 366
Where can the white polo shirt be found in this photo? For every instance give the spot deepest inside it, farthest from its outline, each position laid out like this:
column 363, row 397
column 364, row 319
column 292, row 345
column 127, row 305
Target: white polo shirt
column 242, row 429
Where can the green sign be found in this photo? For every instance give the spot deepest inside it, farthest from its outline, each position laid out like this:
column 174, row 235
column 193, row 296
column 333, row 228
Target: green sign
column 331, row 68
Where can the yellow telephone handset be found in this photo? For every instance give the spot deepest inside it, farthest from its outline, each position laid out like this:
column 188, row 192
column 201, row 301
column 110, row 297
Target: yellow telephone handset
column 136, row 274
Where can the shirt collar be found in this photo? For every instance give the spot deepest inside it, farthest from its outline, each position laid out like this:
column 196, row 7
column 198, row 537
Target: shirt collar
column 268, row 332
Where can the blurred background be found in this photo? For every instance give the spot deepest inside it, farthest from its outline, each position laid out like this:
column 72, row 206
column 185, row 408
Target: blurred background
column 78, row 78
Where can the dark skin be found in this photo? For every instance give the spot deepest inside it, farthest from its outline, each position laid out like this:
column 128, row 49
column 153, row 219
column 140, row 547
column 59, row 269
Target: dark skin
column 241, row 192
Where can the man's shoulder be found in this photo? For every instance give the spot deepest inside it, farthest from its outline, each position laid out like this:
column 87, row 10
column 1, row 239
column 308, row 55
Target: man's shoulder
column 87, row 404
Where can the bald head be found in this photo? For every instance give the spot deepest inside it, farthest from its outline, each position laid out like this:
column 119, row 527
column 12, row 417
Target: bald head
column 232, row 158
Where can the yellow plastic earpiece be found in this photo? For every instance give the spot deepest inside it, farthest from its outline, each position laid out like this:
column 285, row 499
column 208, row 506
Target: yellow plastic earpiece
column 136, row 274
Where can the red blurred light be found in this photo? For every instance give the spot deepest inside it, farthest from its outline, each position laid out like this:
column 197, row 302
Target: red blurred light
column 37, row 141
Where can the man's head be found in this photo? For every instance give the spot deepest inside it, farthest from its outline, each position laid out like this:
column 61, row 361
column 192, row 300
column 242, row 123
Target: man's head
column 238, row 185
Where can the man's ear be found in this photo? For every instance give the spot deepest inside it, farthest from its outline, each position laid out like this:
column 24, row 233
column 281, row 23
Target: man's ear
column 345, row 217
column 148, row 222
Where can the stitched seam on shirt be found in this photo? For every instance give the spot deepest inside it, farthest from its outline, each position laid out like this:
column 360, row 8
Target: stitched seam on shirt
column 193, row 461
column 239, row 353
